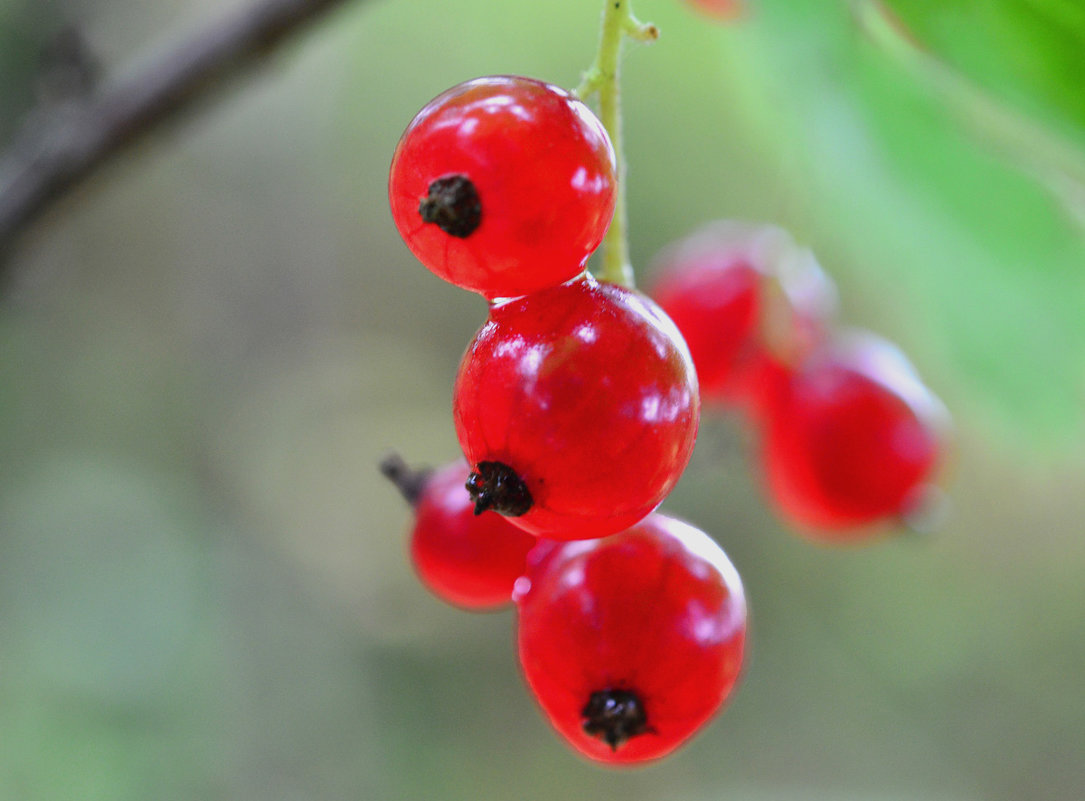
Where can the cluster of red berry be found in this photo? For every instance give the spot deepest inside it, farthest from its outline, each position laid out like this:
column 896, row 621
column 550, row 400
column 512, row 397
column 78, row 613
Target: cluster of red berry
column 852, row 437
column 577, row 408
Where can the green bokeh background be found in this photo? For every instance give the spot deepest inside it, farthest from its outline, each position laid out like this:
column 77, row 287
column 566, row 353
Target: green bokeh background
column 204, row 592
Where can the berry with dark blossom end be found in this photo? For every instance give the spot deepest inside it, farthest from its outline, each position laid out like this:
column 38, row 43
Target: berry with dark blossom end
column 631, row 643
column 853, row 440
column 469, row 560
column 503, row 185
column 579, row 403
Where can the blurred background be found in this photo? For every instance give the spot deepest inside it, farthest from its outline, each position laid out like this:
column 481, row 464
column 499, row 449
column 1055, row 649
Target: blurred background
column 205, row 350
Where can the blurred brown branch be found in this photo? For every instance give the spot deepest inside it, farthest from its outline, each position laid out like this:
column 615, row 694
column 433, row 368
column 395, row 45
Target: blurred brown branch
column 51, row 157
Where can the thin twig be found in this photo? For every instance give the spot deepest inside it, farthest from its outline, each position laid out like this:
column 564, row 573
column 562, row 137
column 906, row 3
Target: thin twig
column 50, row 160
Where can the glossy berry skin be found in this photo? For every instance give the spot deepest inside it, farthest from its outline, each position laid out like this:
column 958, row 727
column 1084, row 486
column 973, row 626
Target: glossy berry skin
column 586, row 394
column 530, row 171
column 471, row 561
column 631, row 643
column 747, row 300
column 854, row 439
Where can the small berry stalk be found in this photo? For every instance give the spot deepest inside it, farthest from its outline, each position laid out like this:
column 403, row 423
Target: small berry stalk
column 602, row 78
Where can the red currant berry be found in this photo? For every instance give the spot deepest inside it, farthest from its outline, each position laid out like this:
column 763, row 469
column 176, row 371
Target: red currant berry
column 503, row 185
column 577, row 407
column 723, row 10
column 747, row 299
column 631, row 643
column 467, row 560
column 854, row 439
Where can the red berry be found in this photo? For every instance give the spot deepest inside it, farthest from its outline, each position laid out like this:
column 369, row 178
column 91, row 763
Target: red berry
column 503, row 185
column 723, row 10
column 630, row 643
column 747, row 299
column 578, row 408
column 468, row 560
column 854, row 439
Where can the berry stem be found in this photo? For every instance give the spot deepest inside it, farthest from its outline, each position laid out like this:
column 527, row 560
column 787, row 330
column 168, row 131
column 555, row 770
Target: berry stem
column 602, row 77
column 410, row 483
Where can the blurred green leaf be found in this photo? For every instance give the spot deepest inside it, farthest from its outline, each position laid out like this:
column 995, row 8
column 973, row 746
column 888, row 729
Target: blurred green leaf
column 1029, row 52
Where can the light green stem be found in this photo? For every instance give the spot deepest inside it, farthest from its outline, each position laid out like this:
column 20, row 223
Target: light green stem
column 603, row 77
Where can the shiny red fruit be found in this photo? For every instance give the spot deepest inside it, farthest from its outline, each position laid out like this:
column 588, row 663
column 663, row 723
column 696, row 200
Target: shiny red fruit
column 578, row 408
column 631, row 643
column 468, row 560
column 854, row 439
column 747, row 300
column 503, row 185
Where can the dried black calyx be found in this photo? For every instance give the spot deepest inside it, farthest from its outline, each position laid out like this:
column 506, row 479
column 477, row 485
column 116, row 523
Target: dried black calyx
column 614, row 716
column 496, row 486
column 452, row 205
